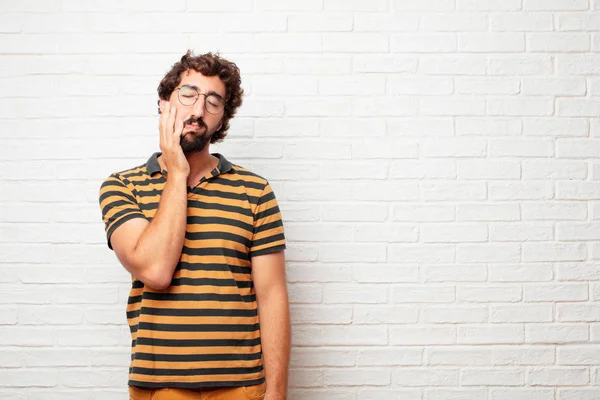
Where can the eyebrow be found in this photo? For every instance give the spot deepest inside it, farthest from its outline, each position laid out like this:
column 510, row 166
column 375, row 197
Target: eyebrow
column 211, row 92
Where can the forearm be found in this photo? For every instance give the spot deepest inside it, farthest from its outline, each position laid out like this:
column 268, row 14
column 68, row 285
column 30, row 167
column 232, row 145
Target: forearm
column 159, row 247
column 275, row 330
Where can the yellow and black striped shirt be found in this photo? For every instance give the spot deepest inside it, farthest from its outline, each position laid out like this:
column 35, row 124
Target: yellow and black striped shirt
column 203, row 330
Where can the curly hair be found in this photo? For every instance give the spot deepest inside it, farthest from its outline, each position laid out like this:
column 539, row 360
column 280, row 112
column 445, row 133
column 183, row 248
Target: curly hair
column 208, row 64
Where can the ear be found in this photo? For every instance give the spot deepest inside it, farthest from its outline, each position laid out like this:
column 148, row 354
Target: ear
column 162, row 104
column 220, row 126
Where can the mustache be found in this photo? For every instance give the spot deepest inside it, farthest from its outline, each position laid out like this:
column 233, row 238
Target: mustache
column 193, row 120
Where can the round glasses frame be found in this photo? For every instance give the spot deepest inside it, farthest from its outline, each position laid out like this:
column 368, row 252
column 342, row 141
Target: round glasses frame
column 213, row 104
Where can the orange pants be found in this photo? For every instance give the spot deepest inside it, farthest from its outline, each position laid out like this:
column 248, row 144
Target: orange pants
column 255, row 392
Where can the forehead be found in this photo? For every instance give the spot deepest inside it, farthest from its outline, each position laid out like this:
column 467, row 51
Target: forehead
column 204, row 83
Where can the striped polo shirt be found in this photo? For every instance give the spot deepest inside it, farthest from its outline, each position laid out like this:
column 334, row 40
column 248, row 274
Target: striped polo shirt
column 203, row 330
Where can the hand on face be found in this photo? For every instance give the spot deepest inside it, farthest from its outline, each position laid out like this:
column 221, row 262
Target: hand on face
column 170, row 129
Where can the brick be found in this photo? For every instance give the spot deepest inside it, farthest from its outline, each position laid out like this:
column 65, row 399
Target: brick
column 521, row 232
column 558, row 5
column 578, row 22
column 389, row 357
column 323, row 65
column 308, row 357
column 519, row 190
column 558, row 42
column 323, row 22
column 383, row 63
column 520, row 107
column 423, row 213
column 556, row 333
column 523, row 355
column 355, row 5
column 554, row 169
column 490, row 126
column 573, row 190
column 520, row 313
column 584, row 64
column 303, row 314
column 448, row 233
column 459, row 147
column 567, row 127
column 452, row 314
column 488, row 253
column 452, row 65
column 431, row 253
column 426, row 5
column 520, row 273
column 355, row 43
column 383, row 314
column 423, row 43
column 487, row 293
column 488, row 169
column 578, row 394
column 491, row 42
column 572, row 376
column 496, row 86
column 491, row 334
column 422, row 334
column 577, row 355
column 287, row 5
column 456, row 394
column 423, row 294
column 453, row 22
column 352, row 293
column 454, row 273
column 422, row 169
column 521, row 394
column 387, row 274
column 28, row 378
column 425, row 377
column 420, row 86
column 522, row 21
column 488, row 212
column 488, row 5
column 457, row 356
column 404, row 127
column 357, row 377
column 389, row 22
column 530, row 64
column 351, row 127
column 491, row 377
column 577, row 312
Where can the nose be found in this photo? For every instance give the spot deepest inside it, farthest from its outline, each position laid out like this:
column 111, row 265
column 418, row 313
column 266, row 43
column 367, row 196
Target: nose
column 198, row 107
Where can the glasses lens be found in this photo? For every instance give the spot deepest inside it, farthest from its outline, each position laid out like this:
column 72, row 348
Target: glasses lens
column 214, row 104
column 187, row 95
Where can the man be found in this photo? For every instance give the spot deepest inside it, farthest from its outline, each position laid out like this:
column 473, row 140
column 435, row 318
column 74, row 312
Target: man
column 203, row 240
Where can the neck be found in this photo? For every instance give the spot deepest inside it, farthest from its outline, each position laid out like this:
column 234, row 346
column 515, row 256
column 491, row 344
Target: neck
column 201, row 163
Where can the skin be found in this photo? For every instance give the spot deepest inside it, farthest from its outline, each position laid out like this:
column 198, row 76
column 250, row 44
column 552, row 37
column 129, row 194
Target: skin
column 150, row 251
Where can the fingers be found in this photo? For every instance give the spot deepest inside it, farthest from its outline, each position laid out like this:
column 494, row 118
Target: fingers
column 171, row 122
column 178, row 129
column 164, row 116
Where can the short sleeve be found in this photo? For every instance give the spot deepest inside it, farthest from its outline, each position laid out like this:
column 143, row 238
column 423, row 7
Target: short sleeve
column 118, row 204
column 268, row 235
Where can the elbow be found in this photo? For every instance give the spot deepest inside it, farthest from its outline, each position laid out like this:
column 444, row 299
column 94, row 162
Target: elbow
column 157, row 280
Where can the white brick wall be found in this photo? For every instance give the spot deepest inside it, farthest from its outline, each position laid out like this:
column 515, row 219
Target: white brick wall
column 435, row 161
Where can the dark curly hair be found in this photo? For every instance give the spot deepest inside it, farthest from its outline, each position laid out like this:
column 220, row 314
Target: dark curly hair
column 208, row 64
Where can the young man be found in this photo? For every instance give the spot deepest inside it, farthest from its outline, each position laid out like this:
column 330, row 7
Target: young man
column 203, row 240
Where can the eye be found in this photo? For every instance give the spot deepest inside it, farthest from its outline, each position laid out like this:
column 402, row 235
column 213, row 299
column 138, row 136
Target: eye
column 214, row 101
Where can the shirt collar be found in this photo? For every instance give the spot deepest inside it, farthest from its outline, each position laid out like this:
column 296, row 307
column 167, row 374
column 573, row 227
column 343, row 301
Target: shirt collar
column 152, row 165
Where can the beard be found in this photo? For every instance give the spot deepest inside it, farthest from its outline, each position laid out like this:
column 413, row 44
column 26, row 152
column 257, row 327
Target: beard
column 199, row 138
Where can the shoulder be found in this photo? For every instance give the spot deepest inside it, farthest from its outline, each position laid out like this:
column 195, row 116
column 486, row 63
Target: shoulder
column 250, row 178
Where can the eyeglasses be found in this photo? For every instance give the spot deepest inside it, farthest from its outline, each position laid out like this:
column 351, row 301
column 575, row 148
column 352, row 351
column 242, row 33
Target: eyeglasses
column 188, row 95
